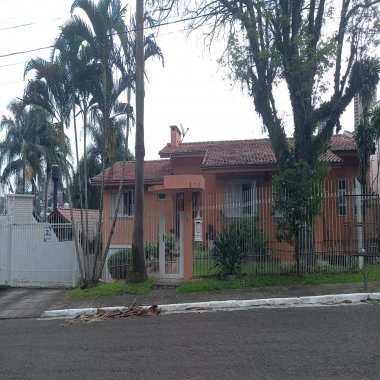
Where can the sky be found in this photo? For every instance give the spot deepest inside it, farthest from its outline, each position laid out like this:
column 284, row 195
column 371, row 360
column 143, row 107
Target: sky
column 191, row 89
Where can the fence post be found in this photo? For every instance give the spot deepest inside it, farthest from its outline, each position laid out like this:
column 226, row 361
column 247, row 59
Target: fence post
column 161, row 244
column 9, row 255
column 359, row 221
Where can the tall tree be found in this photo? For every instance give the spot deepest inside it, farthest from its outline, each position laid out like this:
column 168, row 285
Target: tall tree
column 25, row 148
column 138, row 265
column 95, row 26
column 51, row 90
column 366, row 133
column 323, row 51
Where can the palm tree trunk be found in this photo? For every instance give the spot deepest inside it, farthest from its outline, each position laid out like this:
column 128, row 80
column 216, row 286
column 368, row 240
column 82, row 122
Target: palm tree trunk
column 84, row 232
column 23, row 173
column 86, row 189
column 74, row 228
column 138, row 261
column 118, row 199
column 46, row 188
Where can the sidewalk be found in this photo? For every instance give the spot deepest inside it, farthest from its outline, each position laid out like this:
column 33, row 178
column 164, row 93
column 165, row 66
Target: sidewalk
column 168, row 296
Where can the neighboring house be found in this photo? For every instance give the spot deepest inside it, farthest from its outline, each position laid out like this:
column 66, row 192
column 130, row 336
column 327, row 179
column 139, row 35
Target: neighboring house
column 60, row 218
column 375, row 163
column 196, row 184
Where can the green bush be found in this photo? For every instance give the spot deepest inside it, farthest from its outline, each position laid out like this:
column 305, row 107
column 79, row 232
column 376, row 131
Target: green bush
column 227, row 254
column 252, row 237
column 151, row 250
column 118, row 263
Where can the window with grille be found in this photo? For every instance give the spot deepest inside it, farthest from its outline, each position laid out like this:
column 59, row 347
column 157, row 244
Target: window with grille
column 126, row 203
column 240, row 198
column 342, row 199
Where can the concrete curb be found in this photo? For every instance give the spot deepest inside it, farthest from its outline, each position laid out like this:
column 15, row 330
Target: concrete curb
column 332, row 299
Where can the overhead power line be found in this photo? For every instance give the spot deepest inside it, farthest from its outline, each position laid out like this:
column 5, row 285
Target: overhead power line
column 114, row 34
column 29, row 24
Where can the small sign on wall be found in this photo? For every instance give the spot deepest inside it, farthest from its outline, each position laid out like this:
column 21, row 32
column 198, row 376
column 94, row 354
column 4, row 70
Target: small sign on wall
column 47, row 234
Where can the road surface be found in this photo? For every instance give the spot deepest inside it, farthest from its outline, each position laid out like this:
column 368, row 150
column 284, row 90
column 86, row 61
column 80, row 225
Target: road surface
column 341, row 342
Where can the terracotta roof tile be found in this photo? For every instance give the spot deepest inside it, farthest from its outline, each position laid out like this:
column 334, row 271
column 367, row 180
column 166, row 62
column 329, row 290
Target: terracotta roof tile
column 154, row 171
column 248, row 152
column 342, row 142
column 93, row 219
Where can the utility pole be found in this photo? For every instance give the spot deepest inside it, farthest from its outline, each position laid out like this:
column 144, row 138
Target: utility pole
column 138, row 273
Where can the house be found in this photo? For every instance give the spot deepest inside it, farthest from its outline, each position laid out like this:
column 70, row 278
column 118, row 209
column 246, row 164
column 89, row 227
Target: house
column 60, row 218
column 197, row 185
column 374, row 179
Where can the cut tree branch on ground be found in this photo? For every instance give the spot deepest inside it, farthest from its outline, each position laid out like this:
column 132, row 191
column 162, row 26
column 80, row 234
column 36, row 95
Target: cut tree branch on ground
column 127, row 312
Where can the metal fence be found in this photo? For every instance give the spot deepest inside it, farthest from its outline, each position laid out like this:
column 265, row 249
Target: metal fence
column 160, row 221
column 347, row 223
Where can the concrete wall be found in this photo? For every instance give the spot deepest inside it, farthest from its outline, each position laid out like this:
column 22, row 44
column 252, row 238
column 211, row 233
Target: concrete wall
column 20, row 208
column 31, row 255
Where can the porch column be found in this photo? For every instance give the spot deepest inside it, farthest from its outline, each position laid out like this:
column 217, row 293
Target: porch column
column 188, row 235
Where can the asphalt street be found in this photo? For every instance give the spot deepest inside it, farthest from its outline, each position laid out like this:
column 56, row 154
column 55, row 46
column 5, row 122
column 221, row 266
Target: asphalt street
column 338, row 342
column 26, row 302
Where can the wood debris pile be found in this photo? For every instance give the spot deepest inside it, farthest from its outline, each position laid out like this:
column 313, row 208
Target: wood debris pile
column 126, row 312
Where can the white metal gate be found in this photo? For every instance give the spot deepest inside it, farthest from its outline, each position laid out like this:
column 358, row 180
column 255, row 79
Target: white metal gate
column 171, row 247
column 34, row 255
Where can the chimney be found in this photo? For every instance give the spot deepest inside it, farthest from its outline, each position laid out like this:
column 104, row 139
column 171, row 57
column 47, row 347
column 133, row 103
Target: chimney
column 175, row 135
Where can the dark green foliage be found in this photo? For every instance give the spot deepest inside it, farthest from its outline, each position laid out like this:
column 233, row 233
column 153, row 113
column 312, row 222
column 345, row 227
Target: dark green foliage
column 93, row 168
column 2, row 205
column 297, row 199
column 366, row 133
column 118, row 264
column 252, row 237
column 227, row 253
column 151, row 250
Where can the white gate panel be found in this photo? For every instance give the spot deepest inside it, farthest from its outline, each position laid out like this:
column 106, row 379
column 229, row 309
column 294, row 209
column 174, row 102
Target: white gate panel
column 35, row 257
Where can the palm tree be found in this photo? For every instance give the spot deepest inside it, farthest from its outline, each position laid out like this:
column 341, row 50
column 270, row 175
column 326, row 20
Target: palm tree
column 96, row 147
column 97, row 30
column 50, row 89
column 24, row 148
column 96, row 40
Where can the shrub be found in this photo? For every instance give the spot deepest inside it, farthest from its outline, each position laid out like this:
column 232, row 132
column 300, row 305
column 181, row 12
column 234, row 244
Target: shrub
column 151, row 250
column 118, row 263
column 227, row 253
column 151, row 255
column 253, row 239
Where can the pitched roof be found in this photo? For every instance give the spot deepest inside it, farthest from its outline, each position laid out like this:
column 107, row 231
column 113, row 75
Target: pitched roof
column 93, row 215
column 57, row 216
column 154, row 171
column 256, row 152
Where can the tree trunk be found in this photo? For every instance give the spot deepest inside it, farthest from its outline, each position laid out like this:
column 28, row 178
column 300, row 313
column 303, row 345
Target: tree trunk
column 46, row 189
column 83, row 236
column 138, row 273
column 97, row 271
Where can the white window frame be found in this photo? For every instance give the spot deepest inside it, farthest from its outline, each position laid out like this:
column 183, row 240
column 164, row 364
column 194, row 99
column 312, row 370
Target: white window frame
column 342, row 199
column 125, row 209
column 161, row 197
column 235, row 206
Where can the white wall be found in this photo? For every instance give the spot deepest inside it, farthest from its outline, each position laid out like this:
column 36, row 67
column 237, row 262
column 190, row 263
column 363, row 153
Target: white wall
column 31, row 257
column 20, row 208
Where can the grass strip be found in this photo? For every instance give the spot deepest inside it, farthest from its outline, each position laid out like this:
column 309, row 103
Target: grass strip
column 210, row 284
column 113, row 289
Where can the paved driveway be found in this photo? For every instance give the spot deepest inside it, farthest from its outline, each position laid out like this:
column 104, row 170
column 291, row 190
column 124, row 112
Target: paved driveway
column 27, row 302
